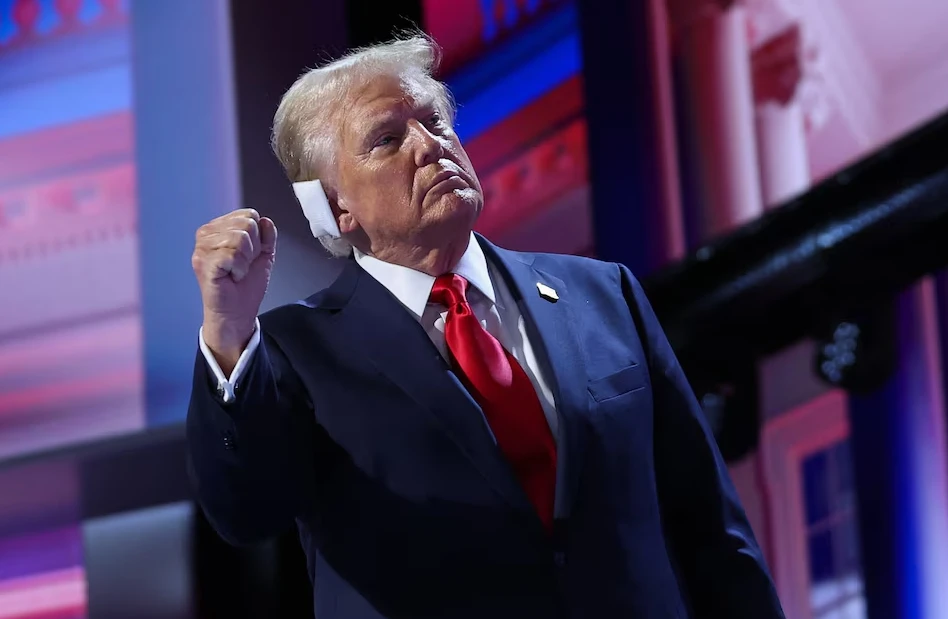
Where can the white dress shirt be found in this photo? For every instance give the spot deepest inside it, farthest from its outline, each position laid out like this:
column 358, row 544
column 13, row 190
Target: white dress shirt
column 488, row 295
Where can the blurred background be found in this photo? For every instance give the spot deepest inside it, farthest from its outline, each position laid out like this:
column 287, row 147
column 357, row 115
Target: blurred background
column 774, row 171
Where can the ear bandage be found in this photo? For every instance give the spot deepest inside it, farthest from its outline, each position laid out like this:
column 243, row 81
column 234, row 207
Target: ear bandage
column 316, row 208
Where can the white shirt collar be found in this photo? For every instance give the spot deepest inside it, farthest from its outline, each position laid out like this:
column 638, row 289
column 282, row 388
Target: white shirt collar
column 412, row 288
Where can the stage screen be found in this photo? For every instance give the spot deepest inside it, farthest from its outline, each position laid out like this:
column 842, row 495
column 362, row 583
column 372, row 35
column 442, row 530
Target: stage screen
column 70, row 337
column 114, row 147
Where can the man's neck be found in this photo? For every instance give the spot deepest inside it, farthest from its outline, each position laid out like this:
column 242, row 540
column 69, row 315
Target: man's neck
column 434, row 261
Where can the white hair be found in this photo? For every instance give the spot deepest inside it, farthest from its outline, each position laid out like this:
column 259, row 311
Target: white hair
column 305, row 127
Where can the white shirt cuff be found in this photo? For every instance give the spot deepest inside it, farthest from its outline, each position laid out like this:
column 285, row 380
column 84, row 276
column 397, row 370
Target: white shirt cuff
column 226, row 386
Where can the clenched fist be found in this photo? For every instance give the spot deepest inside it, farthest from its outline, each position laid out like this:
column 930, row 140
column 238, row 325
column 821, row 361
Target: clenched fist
column 233, row 257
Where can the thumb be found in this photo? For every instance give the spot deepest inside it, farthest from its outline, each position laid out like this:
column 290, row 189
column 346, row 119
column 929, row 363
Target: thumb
column 268, row 235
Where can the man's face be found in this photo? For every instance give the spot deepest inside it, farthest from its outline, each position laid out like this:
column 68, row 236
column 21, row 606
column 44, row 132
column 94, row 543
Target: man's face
column 403, row 179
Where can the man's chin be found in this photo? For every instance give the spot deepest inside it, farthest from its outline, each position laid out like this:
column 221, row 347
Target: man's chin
column 467, row 196
column 459, row 201
column 459, row 207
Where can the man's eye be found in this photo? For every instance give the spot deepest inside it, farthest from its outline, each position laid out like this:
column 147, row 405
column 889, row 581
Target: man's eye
column 435, row 119
column 384, row 140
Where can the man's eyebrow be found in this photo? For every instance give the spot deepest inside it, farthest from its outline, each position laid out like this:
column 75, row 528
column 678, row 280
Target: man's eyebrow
column 381, row 121
column 377, row 124
column 428, row 103
column 435, row 105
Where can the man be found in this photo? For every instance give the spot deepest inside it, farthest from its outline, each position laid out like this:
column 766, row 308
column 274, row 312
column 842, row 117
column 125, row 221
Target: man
column 457, row 430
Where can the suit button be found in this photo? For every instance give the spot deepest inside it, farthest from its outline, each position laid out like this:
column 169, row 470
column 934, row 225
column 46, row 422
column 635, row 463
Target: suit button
column 559, row 559
column 229, row 443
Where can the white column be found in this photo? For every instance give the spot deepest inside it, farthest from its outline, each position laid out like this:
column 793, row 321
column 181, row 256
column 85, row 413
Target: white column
column 713, row 42
column 781, row 130
column 711, row 38
column 674, row 245
column 781, row 144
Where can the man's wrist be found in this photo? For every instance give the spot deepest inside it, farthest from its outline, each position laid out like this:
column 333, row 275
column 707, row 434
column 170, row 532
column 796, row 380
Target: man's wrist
column 227, row 340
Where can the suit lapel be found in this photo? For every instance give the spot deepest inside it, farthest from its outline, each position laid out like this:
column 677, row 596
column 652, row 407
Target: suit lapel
column 372, row 321
column 550, row 326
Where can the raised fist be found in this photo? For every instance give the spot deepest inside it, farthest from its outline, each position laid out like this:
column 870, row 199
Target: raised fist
column 233, row 257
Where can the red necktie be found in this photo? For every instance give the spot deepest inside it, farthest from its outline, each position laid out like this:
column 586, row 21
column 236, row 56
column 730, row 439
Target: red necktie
column 504, row 391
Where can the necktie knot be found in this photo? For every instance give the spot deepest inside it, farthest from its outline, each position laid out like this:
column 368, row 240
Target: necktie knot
column 449, row 290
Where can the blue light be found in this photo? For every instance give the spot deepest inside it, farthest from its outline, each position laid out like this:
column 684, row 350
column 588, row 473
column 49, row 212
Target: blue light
column 49, row 18
column 511, row 15
column 8, row 29
column 69, row 99
column 518, row 88
column 532, row 41
column 910, row 583
column 90, row 11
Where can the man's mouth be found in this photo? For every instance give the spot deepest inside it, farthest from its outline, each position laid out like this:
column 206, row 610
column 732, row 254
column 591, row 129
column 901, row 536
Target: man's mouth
column 447, row 178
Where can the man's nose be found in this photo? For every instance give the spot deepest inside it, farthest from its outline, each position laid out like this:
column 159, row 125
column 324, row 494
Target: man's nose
column 428, row 148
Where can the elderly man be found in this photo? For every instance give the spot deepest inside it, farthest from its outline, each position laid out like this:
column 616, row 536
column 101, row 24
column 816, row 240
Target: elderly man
column 457, row 430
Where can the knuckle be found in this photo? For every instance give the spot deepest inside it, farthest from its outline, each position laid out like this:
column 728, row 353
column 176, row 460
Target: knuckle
column 220, row 258
column 248, row 225
column 243, row 240
column 244, row 213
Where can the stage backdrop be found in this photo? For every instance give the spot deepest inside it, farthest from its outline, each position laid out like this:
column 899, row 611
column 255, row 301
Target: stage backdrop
column 515, row 69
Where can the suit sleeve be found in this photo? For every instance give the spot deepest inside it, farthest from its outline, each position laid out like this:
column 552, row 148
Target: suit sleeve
column 252, row 460
column 718, row 557
column 227, row 384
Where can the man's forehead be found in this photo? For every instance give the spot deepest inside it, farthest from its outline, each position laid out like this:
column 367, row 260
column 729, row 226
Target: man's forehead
column 388, row 95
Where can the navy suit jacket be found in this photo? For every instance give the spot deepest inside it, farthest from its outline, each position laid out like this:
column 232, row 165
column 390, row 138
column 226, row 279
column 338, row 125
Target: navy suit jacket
column 351, row 425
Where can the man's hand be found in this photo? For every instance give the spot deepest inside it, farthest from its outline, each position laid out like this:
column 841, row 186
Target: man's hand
column 232, row 259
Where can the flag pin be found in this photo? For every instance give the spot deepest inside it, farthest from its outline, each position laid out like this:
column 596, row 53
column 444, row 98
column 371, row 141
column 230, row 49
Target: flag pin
column 547, row 293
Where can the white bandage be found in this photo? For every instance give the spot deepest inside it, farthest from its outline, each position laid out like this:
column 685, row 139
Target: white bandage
column 316, row 208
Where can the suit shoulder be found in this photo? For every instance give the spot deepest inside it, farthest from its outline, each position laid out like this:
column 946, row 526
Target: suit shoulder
column 284, row 317
column 578, row 265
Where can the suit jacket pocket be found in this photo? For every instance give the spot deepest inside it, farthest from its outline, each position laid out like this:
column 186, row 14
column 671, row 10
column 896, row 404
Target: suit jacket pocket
column 628, row 379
